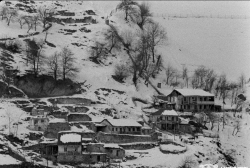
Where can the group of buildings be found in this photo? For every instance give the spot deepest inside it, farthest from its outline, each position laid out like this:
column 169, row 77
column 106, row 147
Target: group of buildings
column 71, row 135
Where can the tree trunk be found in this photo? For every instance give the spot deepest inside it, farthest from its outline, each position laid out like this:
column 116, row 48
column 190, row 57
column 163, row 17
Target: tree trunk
column 55, row 75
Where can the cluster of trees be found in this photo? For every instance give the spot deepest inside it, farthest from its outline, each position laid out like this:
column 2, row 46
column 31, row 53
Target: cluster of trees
column 140, row 47
column 138, row 13
column 31, row 20
column 59, row 63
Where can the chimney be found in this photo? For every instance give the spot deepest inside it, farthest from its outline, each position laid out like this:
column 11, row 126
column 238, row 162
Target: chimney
column 159, row 85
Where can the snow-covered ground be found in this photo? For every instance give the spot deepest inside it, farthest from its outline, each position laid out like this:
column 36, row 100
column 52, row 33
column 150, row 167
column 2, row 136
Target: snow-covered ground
column 221, row 44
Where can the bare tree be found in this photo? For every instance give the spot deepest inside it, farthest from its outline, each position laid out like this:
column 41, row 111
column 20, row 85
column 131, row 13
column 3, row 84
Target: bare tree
column 34, row 55
column 113, row 41
column 170, row 74
column 21, row 20
column 98, row 52
column 53, row 63
column 11, row 15
column 45, row 13
column 156, row 36
column 28, row 20
column 210, row 80
column 3, row 11
column 68, row 63
column 242, row 80
column 144, row 15
column 185, row 75
column 35, row 20
column 128, row 6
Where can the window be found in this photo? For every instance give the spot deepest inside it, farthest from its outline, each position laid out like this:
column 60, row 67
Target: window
column 42, row 120
column 117, row 153
column 133, row 129
column 200, row 98
column 116, row 129
column 65, row 149
column 35, row 122
column 128, row 129
column 138, row 129
column 113, row 129
column 76, row 149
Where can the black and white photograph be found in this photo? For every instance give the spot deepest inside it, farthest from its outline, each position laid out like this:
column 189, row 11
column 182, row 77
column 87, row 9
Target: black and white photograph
column 124, row 84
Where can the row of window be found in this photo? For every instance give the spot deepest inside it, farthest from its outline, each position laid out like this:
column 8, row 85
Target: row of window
column 169, row 118
column 123, row 129
column 202, row 107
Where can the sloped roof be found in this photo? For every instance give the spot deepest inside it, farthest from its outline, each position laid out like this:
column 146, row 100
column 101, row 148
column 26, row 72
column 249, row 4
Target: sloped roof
column 123, row 122
column 70, row 137
column 159, row 112
column 170, row 113
column 193, row 92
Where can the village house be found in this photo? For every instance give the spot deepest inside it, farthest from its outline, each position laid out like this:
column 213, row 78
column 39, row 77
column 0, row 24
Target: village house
column 165, row 119
column 169, row 120
column 40, row 110
column 69, row 147
column 54, row 126
column 114, row 151
column 38, row 123
column 156, row 116
column 121, row 126
column 195, row 100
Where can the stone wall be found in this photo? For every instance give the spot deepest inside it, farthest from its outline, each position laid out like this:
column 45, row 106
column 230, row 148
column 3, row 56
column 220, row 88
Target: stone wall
column 78, row 117
column 125, row 138
column 71, row 100
column 83, row 158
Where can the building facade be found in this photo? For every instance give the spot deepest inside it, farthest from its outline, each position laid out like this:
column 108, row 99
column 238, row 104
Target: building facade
column 121, row 126
column 194, row 100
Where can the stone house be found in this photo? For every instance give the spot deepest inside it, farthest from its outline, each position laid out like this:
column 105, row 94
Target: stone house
column 56, row 126
column 40, row 110
column 195, row 100
column 38, row 123
column 121, row 126
column 114, row 151
column 69, row 147
column 75, row 117
column 72, row 150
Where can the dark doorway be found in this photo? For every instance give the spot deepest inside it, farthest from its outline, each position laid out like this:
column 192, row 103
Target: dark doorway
column 98, row 158
column 163, row 126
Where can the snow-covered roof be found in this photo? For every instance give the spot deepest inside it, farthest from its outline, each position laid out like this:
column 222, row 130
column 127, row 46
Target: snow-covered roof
column 57, row 120
column 193, row 92
column 70, row 137
column 112, row 146
column 170, row 113
column 123, row 122
column 82, row 128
